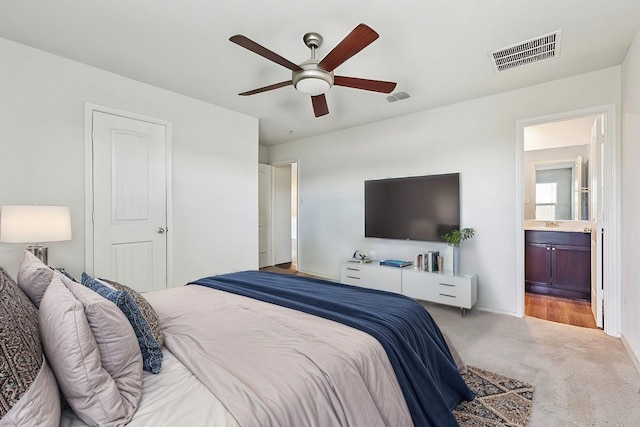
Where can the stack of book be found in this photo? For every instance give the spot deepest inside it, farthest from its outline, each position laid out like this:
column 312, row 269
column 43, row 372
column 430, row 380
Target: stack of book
column 395, row 263
column 427, row 261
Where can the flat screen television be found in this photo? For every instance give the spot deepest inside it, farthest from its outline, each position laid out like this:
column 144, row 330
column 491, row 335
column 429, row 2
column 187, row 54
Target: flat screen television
column 412, row 208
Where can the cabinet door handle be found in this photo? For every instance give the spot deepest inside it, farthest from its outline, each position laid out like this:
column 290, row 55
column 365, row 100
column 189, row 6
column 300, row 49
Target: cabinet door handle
column 553, row 249
column 548, row 248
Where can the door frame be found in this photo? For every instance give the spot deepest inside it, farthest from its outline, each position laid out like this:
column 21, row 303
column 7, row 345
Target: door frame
column 611, row 242
column 89, row 109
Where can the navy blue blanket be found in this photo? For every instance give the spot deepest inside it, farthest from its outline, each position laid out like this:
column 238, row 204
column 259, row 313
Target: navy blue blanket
column 425, row 369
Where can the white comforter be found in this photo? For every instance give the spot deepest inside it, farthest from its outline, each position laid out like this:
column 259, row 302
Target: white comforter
column 273, row 366
column 175, row 397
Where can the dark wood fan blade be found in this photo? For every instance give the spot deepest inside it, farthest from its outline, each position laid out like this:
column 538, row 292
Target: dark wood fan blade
column 364, row 84
column 243, row 41
column 361, row 37
column 266, row 88
column 320, row 107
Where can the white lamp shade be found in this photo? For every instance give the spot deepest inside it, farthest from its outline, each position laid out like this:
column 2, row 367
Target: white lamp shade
column 34, row 224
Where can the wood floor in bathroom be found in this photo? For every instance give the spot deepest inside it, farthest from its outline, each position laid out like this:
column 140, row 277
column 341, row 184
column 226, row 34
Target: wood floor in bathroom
column 560, row 310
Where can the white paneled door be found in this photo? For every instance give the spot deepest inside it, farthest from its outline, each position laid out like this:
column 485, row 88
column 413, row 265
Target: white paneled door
column 265, row 228
column 282, row 207
column 129, row 201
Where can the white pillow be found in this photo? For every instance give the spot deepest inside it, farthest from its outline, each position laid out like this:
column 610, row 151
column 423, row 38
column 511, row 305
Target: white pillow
column 33, row 277
column 93, row 352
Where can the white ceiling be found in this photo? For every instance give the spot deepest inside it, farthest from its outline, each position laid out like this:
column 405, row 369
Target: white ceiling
column 436, row 50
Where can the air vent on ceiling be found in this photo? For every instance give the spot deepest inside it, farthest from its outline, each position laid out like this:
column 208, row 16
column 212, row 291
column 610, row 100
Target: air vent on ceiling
column 527, row 52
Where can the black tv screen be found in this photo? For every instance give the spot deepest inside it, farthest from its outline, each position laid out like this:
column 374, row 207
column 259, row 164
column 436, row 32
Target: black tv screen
column 412, row 208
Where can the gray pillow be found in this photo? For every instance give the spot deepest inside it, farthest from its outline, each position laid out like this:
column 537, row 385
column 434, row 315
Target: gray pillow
column 28, row 390
column 33, row 277
column 93, row 352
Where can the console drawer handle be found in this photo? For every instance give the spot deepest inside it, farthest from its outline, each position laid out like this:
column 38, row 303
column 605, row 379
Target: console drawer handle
column 449, row 296
column 352, row 269
column 447, row 284
column 353, row 277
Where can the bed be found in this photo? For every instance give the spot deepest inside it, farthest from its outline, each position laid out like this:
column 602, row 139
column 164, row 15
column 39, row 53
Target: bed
column 242, row 349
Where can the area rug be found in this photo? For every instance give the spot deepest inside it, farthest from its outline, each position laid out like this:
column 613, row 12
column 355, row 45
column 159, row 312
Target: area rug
column 500, row 401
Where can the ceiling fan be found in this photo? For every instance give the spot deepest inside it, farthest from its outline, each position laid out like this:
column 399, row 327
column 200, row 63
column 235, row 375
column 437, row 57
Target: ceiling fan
column 315, row 77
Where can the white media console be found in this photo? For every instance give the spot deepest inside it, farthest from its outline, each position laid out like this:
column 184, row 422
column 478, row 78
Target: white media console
column 443, row 288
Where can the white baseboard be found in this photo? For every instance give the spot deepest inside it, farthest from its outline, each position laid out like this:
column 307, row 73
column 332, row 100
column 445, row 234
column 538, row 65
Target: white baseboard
column 319, row 275
column 493, row 310
column 632, row 355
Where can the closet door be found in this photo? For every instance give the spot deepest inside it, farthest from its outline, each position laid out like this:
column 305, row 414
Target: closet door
column 129, row 201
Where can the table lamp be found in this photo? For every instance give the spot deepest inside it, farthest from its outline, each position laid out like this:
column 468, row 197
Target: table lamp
column 35, row 224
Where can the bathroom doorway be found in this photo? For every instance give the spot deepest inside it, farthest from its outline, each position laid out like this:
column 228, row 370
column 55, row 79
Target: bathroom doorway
column 566, row 178
column 562, row 200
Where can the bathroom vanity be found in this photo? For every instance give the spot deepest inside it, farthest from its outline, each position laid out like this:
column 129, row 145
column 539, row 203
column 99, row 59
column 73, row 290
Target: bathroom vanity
column 558, row 263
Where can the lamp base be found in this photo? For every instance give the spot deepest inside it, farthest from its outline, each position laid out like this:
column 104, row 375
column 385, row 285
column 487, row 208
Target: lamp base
column 40, row 252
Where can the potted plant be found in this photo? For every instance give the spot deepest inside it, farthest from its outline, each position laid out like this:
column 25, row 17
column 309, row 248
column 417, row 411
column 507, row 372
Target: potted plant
column 454, row 238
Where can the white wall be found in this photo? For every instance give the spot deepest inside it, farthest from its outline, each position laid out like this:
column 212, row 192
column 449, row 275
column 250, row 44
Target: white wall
column 631, row 197
column 475, row 138
column 42, row 159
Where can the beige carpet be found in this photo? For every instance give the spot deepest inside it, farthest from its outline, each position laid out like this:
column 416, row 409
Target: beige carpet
column 582, row 377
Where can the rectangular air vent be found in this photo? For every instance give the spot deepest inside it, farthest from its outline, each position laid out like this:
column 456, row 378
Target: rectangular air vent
column 527, row 52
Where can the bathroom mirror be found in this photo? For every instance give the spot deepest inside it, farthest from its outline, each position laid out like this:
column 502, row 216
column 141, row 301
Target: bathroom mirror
column 558, row 169
column 559, row 193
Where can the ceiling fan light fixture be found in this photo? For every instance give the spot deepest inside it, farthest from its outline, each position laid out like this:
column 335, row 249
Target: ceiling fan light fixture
column 312, row 81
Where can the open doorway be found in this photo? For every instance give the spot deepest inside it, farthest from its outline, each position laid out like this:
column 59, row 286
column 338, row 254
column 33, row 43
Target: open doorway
column 586, row 208
column 562, row 202
column 279, row 216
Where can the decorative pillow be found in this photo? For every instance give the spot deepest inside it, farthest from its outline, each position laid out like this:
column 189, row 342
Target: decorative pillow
column 147, row 311
column 40, row 405
column 151, row 350
column 25, row 380
column 93, row 352
column 33, row 277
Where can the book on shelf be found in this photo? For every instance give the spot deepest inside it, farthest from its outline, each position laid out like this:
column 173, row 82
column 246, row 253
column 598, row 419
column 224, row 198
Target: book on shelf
column 395, row 263
column 431, row 262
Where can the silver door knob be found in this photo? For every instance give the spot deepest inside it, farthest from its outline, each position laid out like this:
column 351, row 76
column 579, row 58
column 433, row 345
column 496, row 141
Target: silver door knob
column 160, row 230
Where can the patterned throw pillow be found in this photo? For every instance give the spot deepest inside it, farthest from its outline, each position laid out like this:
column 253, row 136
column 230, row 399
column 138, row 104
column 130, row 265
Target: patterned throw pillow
column 22, row 366
column 151, row 350
column 147, row 311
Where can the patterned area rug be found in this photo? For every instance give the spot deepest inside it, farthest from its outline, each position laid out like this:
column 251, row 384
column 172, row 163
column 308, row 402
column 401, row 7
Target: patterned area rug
column 500, row 401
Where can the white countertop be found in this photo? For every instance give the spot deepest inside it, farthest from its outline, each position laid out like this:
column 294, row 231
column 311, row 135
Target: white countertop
column 563, row 226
